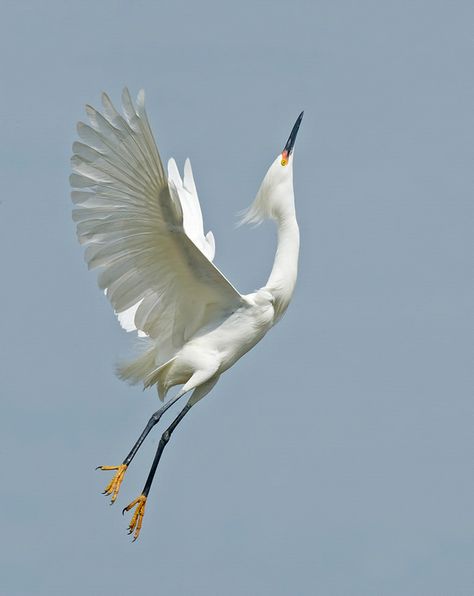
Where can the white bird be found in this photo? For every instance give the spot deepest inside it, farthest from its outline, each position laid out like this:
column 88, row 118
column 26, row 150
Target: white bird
column 143, row 229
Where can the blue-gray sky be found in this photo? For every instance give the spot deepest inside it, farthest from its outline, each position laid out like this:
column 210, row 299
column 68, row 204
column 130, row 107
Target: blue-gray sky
column 334, row 458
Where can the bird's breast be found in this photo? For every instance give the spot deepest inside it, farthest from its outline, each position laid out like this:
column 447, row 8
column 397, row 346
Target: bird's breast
column 235, row 336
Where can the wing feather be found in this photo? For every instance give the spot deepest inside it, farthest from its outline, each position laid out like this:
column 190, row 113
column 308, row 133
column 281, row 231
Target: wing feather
column 144, row 231
column 192, row 216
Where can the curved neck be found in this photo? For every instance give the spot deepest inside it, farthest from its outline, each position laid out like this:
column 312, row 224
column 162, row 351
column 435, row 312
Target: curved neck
column 282, row 280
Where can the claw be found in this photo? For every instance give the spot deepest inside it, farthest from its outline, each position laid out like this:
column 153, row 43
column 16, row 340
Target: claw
column 114, row 485
column 135, row 524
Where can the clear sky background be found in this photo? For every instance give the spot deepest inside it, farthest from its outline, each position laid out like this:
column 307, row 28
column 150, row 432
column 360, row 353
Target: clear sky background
column 335, row 458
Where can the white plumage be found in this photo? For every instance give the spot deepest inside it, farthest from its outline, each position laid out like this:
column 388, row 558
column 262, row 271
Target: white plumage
column 144, row 231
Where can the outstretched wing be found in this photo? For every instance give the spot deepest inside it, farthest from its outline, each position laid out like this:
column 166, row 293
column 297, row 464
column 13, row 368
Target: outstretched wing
column 132, row 221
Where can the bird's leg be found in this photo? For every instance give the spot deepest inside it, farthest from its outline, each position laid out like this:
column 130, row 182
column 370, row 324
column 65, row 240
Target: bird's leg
column 137, row 517
column 113, row 487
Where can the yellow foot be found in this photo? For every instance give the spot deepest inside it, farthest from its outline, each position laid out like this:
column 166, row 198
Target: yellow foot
column 113, row 486
column 137, row 517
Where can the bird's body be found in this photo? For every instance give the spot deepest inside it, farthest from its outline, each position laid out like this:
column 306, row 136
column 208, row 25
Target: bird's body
column 219, row 343
column 145, row 232
column 216, row 348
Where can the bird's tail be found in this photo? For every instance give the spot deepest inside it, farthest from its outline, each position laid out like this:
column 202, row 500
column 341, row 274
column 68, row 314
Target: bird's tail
column 135, row 371
column 145, row 369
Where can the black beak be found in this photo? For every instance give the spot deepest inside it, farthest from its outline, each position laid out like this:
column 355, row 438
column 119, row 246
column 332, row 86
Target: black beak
column 292, row 138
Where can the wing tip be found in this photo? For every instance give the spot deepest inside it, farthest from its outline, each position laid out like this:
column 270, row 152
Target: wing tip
column 141, row 98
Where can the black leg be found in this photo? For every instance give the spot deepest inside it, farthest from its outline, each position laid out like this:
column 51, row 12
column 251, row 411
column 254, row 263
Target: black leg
column 165, row 437
column 113, row 487
column 151, row 423
column 137, row 517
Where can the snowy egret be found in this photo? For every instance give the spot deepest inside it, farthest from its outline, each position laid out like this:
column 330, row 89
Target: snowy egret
column 143, row 229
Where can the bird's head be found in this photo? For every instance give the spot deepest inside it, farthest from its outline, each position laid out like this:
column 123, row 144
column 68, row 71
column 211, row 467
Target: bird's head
column 275, row 195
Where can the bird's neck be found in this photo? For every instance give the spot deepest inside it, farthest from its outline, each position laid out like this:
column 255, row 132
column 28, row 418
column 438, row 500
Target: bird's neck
column 282, row 280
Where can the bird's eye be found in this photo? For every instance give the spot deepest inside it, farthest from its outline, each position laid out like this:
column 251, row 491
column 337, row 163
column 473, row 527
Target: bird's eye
column 284, row 158
column 283, row 162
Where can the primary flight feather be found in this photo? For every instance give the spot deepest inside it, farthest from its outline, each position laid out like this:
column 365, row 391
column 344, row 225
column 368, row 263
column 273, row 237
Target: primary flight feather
column 143, row 229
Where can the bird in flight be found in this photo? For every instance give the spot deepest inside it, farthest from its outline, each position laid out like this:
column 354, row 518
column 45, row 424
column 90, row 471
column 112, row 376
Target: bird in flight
column 142, row 227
